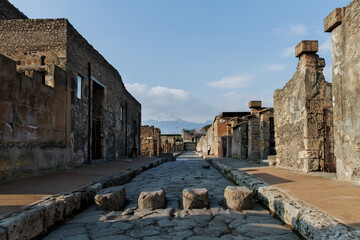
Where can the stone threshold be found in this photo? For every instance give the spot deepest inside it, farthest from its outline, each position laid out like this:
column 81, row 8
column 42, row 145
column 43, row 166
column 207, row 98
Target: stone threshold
column 309, row 222
column 37, row 220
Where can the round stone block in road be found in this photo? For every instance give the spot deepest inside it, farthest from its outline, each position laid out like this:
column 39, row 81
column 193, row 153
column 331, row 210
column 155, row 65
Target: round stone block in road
column 174, row 222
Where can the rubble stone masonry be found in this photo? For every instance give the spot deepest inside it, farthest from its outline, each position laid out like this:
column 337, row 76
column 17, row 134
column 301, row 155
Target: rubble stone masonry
column 344, row 25
column 40, row 44
column 150, row 141
column 298, row 115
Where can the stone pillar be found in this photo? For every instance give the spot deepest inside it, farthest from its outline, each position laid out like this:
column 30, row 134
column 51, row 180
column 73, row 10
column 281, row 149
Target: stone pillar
column 298, row 112
column 343, row 23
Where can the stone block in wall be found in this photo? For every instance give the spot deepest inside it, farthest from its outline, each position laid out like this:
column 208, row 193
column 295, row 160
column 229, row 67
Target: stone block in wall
column 255, row 104
column 333, row 20
column 306, row 46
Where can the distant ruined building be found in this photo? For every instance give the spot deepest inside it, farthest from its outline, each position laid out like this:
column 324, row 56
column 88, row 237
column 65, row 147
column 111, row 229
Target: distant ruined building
column 150, row 141
column 243, row 135
column 62, row 104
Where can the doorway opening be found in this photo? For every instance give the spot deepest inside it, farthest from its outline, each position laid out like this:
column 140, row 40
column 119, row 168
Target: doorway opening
column 97, row 121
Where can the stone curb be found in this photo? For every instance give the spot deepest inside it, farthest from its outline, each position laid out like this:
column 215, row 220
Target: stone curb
column 36, row 220
column 309, row 222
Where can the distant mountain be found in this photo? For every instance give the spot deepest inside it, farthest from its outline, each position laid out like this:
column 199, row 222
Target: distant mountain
column 170, row 124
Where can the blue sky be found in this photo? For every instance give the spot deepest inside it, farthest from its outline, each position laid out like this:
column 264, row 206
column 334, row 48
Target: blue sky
column 195, row 58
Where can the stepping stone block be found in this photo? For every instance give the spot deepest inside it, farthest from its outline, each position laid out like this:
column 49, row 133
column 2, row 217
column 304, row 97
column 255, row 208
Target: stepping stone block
column 152, row 200
column 195, row 198
column 112, row 198
column 238, row 198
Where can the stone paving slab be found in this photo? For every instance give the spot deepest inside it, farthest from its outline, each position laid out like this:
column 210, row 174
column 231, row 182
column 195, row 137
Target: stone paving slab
column 173, row 222
column 38, row 219
column 310, row 222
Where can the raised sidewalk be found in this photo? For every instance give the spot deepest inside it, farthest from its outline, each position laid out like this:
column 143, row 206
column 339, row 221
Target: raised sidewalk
column 16, row 195
column 32, row 207
column 317, row 207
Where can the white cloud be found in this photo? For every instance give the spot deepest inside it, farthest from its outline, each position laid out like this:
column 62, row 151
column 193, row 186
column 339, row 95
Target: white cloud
column 287, row 52
column 161, row 102
column 236, row 81
column 298, row 30
column 325, row 47
column 275, row 67
column 236, row 101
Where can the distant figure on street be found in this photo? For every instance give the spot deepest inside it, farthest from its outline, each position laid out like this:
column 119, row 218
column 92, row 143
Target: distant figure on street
column 208, row 149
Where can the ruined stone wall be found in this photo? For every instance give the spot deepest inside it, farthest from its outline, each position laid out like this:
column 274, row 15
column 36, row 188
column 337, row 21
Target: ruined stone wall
column 39, row 43
column 298, row 113
column 220, row 129
column 344, row 25
column 267, row 138
column 171, row 144
column 254, row 138
column 8, row 11
column 121, row 137
column 34, row 126
column 150, row 141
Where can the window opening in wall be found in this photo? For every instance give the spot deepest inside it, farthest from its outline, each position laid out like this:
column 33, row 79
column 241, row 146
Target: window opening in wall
column 79, row 86
column 43, row 60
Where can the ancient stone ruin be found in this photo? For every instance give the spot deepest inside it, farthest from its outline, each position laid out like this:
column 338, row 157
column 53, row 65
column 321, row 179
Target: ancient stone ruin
column 65, row 119
column 298, row 110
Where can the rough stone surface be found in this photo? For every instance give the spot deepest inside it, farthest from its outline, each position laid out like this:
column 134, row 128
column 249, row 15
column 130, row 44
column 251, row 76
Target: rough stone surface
column 345, row 47
column 150, row 141
column 306, row 46
column 309, row 222
column 334, row 19
column 238, row 198
column 39, row 48
column 174, row 223
column 195, row 198
column 152, row 199
column 299, row 114
column 112, row 198
column 40, row 218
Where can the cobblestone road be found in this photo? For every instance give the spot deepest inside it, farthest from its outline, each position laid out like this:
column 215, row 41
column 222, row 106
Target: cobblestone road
column 173, row 222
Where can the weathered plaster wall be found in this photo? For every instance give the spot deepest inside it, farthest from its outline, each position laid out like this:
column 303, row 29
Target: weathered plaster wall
column 346, row 89
column 298, row 115
column 34, row 129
